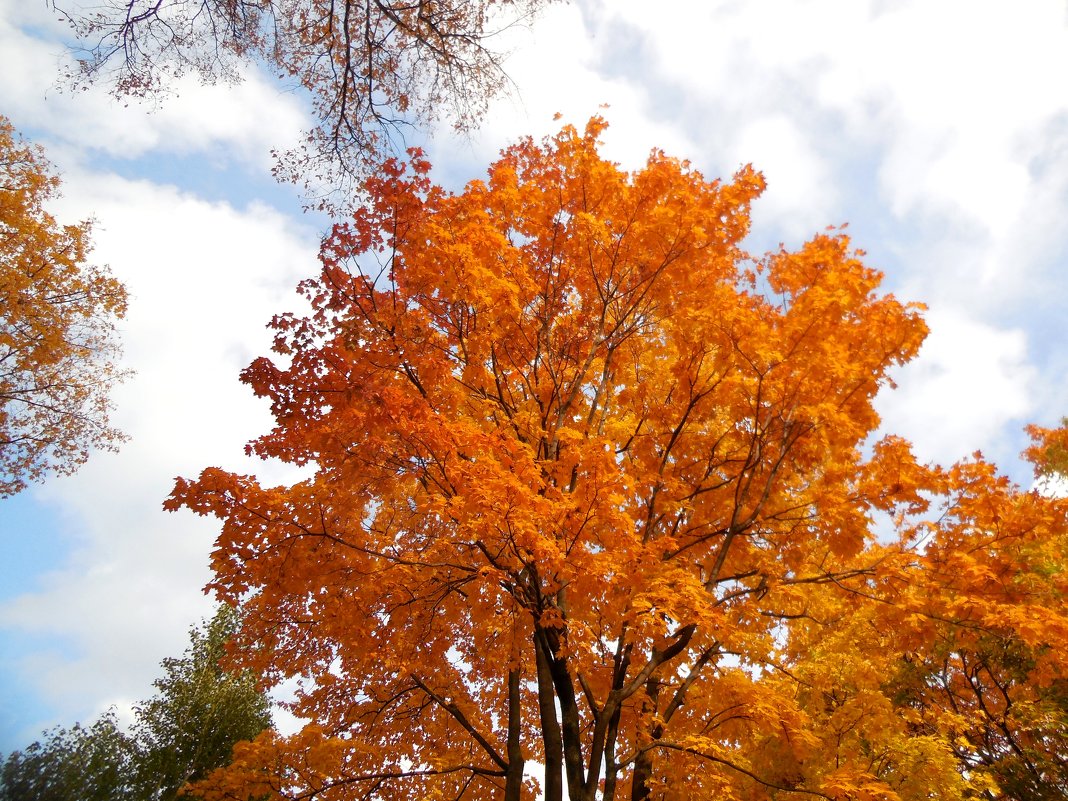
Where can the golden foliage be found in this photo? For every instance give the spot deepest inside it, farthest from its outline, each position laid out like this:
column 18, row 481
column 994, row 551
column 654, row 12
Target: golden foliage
column 57, row 317
column 1049, row 451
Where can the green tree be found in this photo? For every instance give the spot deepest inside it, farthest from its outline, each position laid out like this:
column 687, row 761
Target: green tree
column 86, row 763
column 181, row 734
column 190, row 726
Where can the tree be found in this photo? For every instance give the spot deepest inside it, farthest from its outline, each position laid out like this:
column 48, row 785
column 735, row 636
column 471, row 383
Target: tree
column 1049, row 452
column 181, row 734
column 591, row 502
column 88, row 764
column 190, row 726
column 962, row 647
column 996, row 686
column 373, row 67
column 58, row 348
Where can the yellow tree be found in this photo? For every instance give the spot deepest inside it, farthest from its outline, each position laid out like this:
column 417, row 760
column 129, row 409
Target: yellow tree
column 57, row 316
column 982, row 630
column 583, row 473
column 1049, row 451
column 951, row 664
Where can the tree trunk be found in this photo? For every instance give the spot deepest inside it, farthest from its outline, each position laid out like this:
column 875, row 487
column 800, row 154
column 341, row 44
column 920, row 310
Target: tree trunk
column 643, row 764
column 611, row 769
column 513, row 785
column 571, row 729
column 550, row 725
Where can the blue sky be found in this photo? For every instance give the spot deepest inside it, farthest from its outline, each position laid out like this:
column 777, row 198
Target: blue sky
column 938, row 129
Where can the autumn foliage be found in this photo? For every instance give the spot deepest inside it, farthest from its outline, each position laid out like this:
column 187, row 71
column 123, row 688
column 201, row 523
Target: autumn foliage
column 57, row 317
column 595, row 513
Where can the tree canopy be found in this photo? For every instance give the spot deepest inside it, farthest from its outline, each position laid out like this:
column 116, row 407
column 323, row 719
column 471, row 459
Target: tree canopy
column 58, row 346
column 596, row 512
column 372, row 67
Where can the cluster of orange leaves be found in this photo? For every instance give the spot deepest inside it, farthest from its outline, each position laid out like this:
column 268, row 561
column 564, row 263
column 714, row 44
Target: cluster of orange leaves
column 595, row 511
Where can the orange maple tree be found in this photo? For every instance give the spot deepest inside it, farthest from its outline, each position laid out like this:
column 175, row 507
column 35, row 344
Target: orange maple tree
column 57, row 316
column 592, row 512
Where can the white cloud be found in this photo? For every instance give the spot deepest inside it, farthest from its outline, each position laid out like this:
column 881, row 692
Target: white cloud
column 949, row 89
column 800, row 195
column 727, row 97
column 553, row 71
column 958, row 95
column 968, row 383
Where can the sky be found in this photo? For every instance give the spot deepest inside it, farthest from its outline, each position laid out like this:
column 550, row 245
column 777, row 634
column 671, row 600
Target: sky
column 937, row 129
